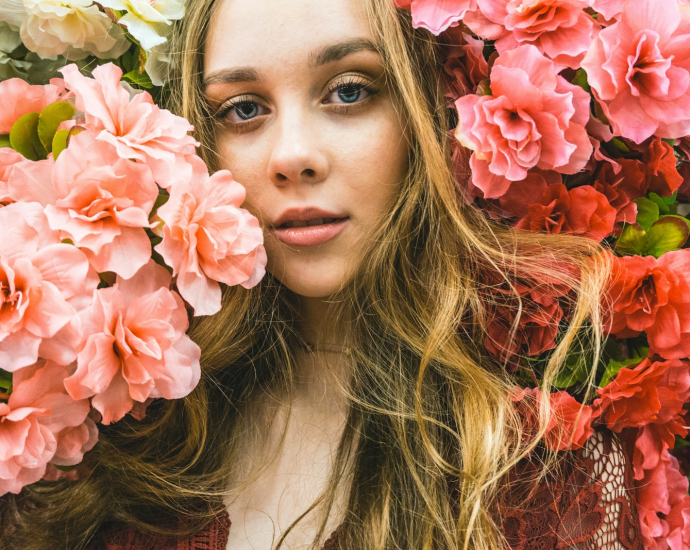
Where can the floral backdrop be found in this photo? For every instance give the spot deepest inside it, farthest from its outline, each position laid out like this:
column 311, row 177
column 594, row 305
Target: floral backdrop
column 573, row 116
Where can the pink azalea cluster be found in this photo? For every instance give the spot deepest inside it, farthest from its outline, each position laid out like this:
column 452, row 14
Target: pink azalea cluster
column 91, row 327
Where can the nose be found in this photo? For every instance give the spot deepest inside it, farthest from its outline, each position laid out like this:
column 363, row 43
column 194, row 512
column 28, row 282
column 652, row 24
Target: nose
column 297, row 156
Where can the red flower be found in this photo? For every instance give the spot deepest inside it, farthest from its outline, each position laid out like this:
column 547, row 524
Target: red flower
column 573, row 422
column 581, row 211
column 650, row 392
column 537, row 323
column 652, row 295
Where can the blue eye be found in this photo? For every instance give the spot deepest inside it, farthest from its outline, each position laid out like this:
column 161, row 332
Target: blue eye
column 246, row 110
column 350, row 93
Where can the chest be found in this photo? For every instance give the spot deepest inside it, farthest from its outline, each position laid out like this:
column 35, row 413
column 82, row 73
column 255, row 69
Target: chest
column 283, row 478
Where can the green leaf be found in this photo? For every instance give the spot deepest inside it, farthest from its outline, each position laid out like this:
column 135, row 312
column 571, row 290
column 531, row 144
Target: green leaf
column 141, row 80
column 647, row 212
column 5, row 380
column 5, row 140
column 671, row 142
column 50, row 118
column 60, row 140
column 581, row 80
column 666, row 234
column 681, row 443
column 24, row 137
column 613, row 368
column 618, row 144
column 632, row 241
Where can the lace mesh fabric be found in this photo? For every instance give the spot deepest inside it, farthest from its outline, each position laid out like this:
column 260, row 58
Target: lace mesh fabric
column 586, row 505
column 589, row 505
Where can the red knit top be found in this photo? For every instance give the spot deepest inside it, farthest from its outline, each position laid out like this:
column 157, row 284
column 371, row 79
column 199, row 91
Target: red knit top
column 590, row 505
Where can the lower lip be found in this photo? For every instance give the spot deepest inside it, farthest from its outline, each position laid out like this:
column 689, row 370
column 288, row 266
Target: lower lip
column 310, row 235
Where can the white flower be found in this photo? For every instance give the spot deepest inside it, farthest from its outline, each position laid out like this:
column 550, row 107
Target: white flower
column 72, row 28
column 146, row 20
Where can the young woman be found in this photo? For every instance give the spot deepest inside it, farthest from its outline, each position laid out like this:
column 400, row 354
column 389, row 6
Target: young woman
column 348, row 400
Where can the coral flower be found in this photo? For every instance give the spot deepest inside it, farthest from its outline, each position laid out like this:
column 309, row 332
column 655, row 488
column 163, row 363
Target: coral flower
column 135, row 346
column 136, row 127
column 8, row 159
column 573, row 422
column 639, row 70
column 436, row 15
column 208, row 238
column 99, row 201
column 20, row 98
column 653, row 295
column 43, row 283
column 34, row 422
column 561, row 29
column 534, row 119
column 580, row 211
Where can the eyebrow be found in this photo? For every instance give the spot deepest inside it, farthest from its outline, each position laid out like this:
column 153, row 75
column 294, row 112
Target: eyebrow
column 328, row 54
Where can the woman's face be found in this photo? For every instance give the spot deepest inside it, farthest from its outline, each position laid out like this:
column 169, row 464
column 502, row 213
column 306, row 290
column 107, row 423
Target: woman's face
column 307, row 125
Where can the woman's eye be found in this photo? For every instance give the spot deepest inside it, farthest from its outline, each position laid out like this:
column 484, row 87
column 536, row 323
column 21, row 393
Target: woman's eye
column 241, row 111
column 349, row 93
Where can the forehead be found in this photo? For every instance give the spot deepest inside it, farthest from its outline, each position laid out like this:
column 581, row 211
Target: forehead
column 279, row 32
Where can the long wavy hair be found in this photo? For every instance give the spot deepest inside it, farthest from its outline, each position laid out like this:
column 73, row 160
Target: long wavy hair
column 432, row 430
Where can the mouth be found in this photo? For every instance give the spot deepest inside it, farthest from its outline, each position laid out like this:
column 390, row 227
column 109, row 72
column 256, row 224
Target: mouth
column 308, row 223
column 310, row 232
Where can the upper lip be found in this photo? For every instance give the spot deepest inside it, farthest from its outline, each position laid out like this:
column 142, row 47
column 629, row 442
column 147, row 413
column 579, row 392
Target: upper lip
column 304, row 214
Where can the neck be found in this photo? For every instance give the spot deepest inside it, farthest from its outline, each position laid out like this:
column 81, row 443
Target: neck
column 319, row 371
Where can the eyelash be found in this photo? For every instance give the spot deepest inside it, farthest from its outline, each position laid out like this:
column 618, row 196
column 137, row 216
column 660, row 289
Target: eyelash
column 347, row 81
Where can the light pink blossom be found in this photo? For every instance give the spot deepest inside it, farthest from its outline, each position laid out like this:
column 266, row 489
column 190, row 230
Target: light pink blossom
column 436, row 15
column 610, row 9
column 33, row 423
column 561, row 29
column 208, row 238
column 43, row 283
column 8, row 159
column 99, row 201
column 534, row 119
column 135, row 346
column 135, row 126
column 639, row 70
column 20, row 98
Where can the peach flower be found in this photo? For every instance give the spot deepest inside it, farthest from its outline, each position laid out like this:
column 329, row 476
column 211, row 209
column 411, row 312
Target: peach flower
column 101, row 202
column 19, row 98
column 639, row 70
column 135, row 346
column 136, row 127
column 610, row 9
column 535, row 119
column 43, row 283
column 32, row 422
column 561, row 29
column 436, row 15
column 208, row 238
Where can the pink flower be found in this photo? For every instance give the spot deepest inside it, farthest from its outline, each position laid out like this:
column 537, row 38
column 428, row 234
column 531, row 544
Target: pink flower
column 43, row 284
column 663, row 505
column 535, row 119
column 610, row 9
column 20, row 98
column 135, row 346
column 580, row 211
column 99, row 201
column 559, row 28
column 464, row 65
column 32, row 424
column 8, row 159
column 639, row 70
column 436, row 15
column 136, row 127
column 653, row 295
column 208, row 238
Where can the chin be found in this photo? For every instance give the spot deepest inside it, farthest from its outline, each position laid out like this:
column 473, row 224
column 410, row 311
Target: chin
column 312, row 279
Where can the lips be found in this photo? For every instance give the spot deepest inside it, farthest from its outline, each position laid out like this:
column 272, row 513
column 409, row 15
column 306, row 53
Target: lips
column 308, row 226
